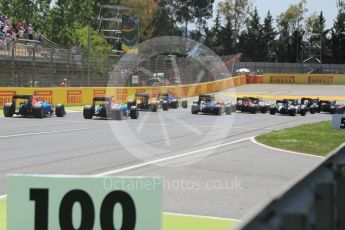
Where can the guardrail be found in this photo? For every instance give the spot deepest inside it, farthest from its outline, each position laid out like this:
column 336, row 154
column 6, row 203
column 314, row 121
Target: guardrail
column 317, row 201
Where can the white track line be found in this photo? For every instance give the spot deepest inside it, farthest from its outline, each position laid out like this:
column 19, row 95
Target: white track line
column 168, row 158
column 40, row 133
column 3, row 197
column 201, row 217
column 252, row 139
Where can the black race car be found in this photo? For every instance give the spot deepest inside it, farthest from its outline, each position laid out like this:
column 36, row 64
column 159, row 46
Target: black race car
column 288, row 107
column 107, row 108
column 330, row 107
column 208, row 104
column 168, row 101
column 32, row 106
column 252, row 105
column 311, row 105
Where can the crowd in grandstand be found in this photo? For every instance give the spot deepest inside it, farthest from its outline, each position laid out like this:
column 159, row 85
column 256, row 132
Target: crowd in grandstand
column 11, row 31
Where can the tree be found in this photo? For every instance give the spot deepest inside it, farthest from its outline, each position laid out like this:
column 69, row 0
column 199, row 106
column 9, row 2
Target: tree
column 235, row 12
column 251, row 39
column 31, row 11
column 189, row 11
column 338, row 34
column 269, row 36
column 290, row 44
column 163, row 23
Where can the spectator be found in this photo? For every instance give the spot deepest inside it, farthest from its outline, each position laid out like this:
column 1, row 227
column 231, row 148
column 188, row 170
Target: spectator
column 30, row 32
column 39, row 37
column 64, row 83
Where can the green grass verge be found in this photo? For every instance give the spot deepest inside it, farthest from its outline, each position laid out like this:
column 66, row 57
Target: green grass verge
column 317, row 139
column 177, row 222
column 3, row 214
column 170, row 222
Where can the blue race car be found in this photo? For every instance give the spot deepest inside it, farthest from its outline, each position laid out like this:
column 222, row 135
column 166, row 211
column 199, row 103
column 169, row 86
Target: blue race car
column 168, row 101
column 31, row 106
column 107, row 108
column 208, row 104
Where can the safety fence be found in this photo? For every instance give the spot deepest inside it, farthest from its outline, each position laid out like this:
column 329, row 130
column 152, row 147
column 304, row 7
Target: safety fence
column 317, row 201
column 84, row 95
column 310, row 79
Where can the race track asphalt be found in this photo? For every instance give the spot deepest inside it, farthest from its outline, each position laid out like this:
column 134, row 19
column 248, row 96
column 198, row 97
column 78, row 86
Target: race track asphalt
column 209, row 164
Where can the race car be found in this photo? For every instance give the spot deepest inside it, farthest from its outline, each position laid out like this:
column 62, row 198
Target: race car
column 209, row 105
column 105, row 107
column 311, row 104
column 143, row 102
column 288, row 107
column 32, row 106
column 252, row 105
column 168, row 101
column 330, row 107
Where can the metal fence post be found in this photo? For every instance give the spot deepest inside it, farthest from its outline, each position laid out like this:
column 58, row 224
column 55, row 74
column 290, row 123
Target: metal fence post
column 324, row 206
column 340, row 197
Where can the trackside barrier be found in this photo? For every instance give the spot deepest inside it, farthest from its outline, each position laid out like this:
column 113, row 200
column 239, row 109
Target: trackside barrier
column 84, row 95
column 317, row 201
column 317, row 79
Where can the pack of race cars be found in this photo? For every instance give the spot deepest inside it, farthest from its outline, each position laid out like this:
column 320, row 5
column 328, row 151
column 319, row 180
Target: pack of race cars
column 106, row 107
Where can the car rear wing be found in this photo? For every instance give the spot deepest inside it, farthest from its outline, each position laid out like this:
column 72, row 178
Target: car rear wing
column 27, row 97
column 102, row 99
column 141, row 95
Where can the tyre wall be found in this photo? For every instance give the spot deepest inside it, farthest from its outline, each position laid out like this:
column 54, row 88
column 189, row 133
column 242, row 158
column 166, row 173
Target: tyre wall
column 84, row 95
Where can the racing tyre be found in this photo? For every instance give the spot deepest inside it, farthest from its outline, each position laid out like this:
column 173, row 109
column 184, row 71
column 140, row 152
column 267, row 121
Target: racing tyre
column 165, row 106
column 184, row 104
column 60, row 110
column 195, row 109
column 117, row 113
column 303, row 112
column 174, row 104
column 228, row 110
column 253, row 110
column 333, row 111
column 312, row 111
column 273, row 111
column 134, row 112
column 38, row 111
column 130, row 103
column 153, row 107
column 88, row 112
column 292, row 112
column 263, row 110
column 9, row 110
column 218, row 111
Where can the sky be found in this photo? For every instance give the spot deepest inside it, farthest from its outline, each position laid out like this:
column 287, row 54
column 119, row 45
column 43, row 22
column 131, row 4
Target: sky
column 329, row 8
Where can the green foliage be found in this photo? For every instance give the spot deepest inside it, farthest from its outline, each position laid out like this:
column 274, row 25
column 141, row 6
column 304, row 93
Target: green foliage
column 318, row 139
column 98, row 42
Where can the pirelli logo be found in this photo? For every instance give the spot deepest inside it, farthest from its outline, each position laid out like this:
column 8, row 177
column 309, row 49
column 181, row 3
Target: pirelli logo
column 6, row 97
column 99, row 92
column 197, row 89
column 185, row 91
column 282, row 79
column 171, row 91
column 45, row 95
column 155, row 92
column 209, row 88
column 140, row 91
column 74, row 97
column 122, row 94
column 326, row 80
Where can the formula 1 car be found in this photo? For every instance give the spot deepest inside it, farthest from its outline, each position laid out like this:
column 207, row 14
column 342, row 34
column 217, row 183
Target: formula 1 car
column 330, row 107
column 143, row 102
column 311, row 105
column 288, row 107
column 168, row 101
column 31, row 106
column 252, row 105
column 208, row 104
column 109, row 109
